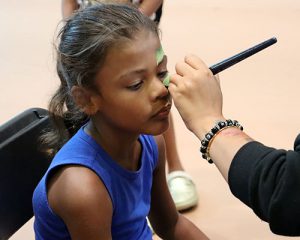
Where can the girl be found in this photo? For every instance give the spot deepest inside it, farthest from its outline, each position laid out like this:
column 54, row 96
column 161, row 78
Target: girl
column 181, row 185
column 105, row 180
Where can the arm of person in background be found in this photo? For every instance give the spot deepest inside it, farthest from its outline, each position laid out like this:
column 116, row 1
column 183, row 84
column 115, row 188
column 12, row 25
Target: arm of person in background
column 264, row 178
column 68, row 7
column 148, row 7
column 164, row 218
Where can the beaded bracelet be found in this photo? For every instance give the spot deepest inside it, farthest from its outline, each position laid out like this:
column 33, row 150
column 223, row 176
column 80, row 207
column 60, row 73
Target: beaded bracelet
column 208, row 138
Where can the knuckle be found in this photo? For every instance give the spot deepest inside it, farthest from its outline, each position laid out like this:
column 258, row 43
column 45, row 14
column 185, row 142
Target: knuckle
column 188, row 57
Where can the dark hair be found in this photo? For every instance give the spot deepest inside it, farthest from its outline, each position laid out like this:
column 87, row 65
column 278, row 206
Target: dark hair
column 85, row 40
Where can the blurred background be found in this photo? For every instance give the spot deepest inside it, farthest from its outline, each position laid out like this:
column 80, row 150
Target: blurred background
column 262, row 92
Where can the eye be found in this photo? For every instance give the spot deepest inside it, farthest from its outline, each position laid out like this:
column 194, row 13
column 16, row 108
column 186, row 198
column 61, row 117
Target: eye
column 136, row 86
column 162, row 75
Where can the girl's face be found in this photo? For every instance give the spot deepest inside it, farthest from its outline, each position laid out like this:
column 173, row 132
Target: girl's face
column 132, row 96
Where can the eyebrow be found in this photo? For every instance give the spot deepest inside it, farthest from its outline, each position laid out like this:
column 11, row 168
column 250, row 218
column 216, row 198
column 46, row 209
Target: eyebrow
column 140, row 71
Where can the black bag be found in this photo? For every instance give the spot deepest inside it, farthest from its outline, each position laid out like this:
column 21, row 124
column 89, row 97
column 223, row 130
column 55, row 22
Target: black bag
column 22, row 165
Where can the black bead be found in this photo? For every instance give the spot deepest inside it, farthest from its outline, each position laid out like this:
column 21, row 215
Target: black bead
column 208, row 136
column 214, row 129
column 229, row 122
column 204, row 156
column 221, row 124
column 210, row 161
column 203, row 149
column 204, row 143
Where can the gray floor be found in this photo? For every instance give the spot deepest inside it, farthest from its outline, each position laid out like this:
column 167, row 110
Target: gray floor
column 262, row 92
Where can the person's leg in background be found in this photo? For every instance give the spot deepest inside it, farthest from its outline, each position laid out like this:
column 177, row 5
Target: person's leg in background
column 174, row 163
column 181, row 185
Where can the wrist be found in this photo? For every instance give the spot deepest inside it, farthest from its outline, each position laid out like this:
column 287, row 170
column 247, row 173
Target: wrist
column 219, row 128
column 203, row 126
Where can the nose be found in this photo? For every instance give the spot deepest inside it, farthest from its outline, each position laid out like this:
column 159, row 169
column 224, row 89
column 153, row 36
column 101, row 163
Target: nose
column 159, row 90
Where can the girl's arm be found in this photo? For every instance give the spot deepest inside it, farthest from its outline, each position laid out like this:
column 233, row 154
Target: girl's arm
column 166, row 221
column 68, row 7
column 77, row 195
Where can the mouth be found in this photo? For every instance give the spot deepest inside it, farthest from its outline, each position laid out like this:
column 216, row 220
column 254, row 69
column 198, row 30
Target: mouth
column 163, row 112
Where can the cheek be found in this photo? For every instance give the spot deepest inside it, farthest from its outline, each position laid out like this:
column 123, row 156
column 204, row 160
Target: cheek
column 134, row 103
column 134, row 108
column 137, row 108
column 120, row 107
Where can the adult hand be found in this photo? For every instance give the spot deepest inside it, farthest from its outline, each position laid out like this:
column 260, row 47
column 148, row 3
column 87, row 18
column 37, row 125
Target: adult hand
column 197, row 95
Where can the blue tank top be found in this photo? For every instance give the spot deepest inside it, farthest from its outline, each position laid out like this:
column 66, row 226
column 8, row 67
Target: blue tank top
column 130, row 191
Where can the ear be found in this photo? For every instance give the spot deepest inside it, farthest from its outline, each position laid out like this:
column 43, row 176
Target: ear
column 85, row 100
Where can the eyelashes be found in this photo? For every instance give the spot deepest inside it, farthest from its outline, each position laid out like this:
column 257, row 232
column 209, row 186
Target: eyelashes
column 161, row 75
column 136, row 86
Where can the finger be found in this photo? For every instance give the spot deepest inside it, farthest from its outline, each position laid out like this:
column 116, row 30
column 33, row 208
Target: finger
column 182, row 68
column 176, row 82
column 172, row 89
column 195, row 62
column 217, row 77
column 176, row 79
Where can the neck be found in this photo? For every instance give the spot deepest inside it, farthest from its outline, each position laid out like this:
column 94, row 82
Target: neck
column 123, row 148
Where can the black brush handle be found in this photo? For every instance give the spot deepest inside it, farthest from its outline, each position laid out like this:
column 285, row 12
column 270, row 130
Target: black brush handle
column 216, row 68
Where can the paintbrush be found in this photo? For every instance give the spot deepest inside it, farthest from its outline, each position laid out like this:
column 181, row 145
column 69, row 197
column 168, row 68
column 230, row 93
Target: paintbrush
column 219, row 67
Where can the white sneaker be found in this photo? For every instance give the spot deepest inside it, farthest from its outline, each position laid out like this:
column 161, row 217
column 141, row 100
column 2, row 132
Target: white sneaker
column 182, row 189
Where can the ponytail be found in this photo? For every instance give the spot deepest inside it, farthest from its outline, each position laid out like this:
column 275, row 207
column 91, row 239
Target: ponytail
column 65, row 117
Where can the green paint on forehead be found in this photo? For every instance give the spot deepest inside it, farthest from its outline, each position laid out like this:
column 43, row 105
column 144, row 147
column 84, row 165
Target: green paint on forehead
column 159, row 55
column 166, row 81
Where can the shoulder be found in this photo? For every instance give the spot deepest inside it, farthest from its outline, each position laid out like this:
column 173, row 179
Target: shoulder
column 75, row 181
column 76, row 192
column 79, row 149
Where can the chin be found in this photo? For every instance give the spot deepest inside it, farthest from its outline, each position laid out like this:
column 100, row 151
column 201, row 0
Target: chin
column 159, row 129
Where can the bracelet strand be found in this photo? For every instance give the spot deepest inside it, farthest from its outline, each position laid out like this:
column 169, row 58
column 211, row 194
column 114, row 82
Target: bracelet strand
column 209, row 137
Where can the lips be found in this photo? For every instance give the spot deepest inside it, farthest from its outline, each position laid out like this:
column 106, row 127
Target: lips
column 164, row 111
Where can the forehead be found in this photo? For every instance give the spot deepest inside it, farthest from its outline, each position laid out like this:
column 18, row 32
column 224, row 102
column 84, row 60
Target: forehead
column 139, row 52
column 143, row 42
